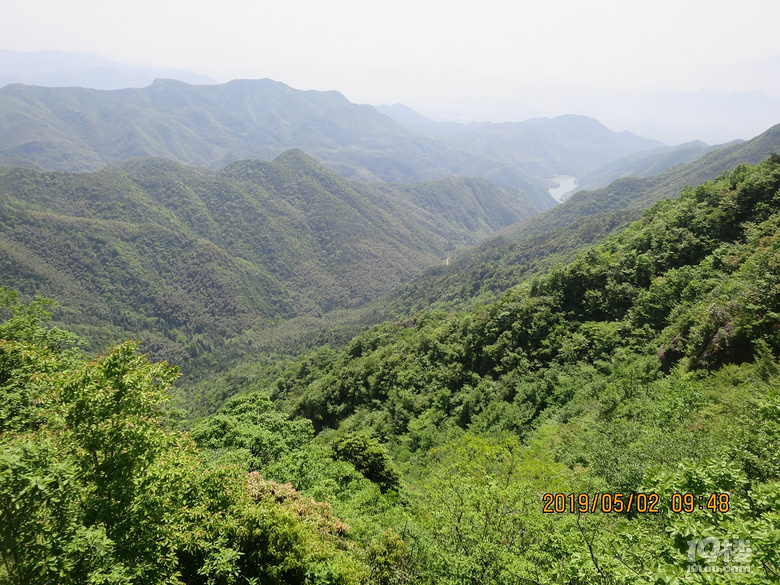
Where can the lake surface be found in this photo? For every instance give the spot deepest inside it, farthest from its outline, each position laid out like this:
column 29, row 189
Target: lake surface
column 563, row 184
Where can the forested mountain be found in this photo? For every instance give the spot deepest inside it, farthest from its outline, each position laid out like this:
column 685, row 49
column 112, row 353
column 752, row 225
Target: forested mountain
column 187, row 257
column 649, row 364
column 590, row 396
column 543, row 147
column 644, row 164
column 710, row 250
column 613, row 420
column 585, row 218
column 209, row 126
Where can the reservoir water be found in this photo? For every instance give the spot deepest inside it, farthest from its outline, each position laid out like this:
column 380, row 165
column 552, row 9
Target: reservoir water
column 563, row 184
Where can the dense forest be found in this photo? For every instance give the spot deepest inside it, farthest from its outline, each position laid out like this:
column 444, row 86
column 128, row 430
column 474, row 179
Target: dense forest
column 478, row 274
column 527, row 248
column 611, row 419
column 184, row 258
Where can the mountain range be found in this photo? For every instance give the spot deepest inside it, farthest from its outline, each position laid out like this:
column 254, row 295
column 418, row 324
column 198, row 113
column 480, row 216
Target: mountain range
column 402, row 359
column 211, row 125
column 586, row 217
column 564, row 145
column 301, row 241
column 187, row 256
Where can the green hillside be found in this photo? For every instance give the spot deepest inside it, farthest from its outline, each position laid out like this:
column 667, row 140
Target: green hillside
column 186, row 258
column 693, row 277
column 649, row 364
column 613, row 420
column 443, row 380
column 588, row 216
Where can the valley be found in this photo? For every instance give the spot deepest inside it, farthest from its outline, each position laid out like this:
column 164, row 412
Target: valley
column 252, row 334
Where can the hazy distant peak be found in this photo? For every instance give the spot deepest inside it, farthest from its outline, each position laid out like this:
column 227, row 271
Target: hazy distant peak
column 571, row 118
column 167, row 82
column 62, row 69
column 263, row 82
column 564, row 119
column 576, row 122
column 404, row 114
column 692, row 144
column 414, row 120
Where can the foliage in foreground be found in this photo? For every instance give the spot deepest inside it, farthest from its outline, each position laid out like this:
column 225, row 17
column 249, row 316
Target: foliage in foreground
column 648, row 363
column 646, row 366
column 95, row 488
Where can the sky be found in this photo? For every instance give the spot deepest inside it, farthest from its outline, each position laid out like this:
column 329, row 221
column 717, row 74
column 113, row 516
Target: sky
column 462, row 60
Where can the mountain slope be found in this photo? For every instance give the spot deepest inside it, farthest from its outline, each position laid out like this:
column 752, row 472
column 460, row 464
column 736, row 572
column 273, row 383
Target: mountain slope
column 641, row 377
column 585, row 218
column 644, row 370
column 189, row 257
column 695, row 281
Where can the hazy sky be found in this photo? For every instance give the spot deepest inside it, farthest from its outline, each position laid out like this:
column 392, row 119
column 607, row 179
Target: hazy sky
column 492, row 58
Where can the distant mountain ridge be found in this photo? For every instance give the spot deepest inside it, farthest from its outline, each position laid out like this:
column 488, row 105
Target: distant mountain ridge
column 638, row 193
column 564, row 145
column 210, row 126
column 646, row 163
column 213, row 125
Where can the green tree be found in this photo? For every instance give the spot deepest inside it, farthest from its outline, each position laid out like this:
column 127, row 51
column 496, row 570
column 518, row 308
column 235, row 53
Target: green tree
column 369, row 458
column 248, row 430
column 95, row 487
